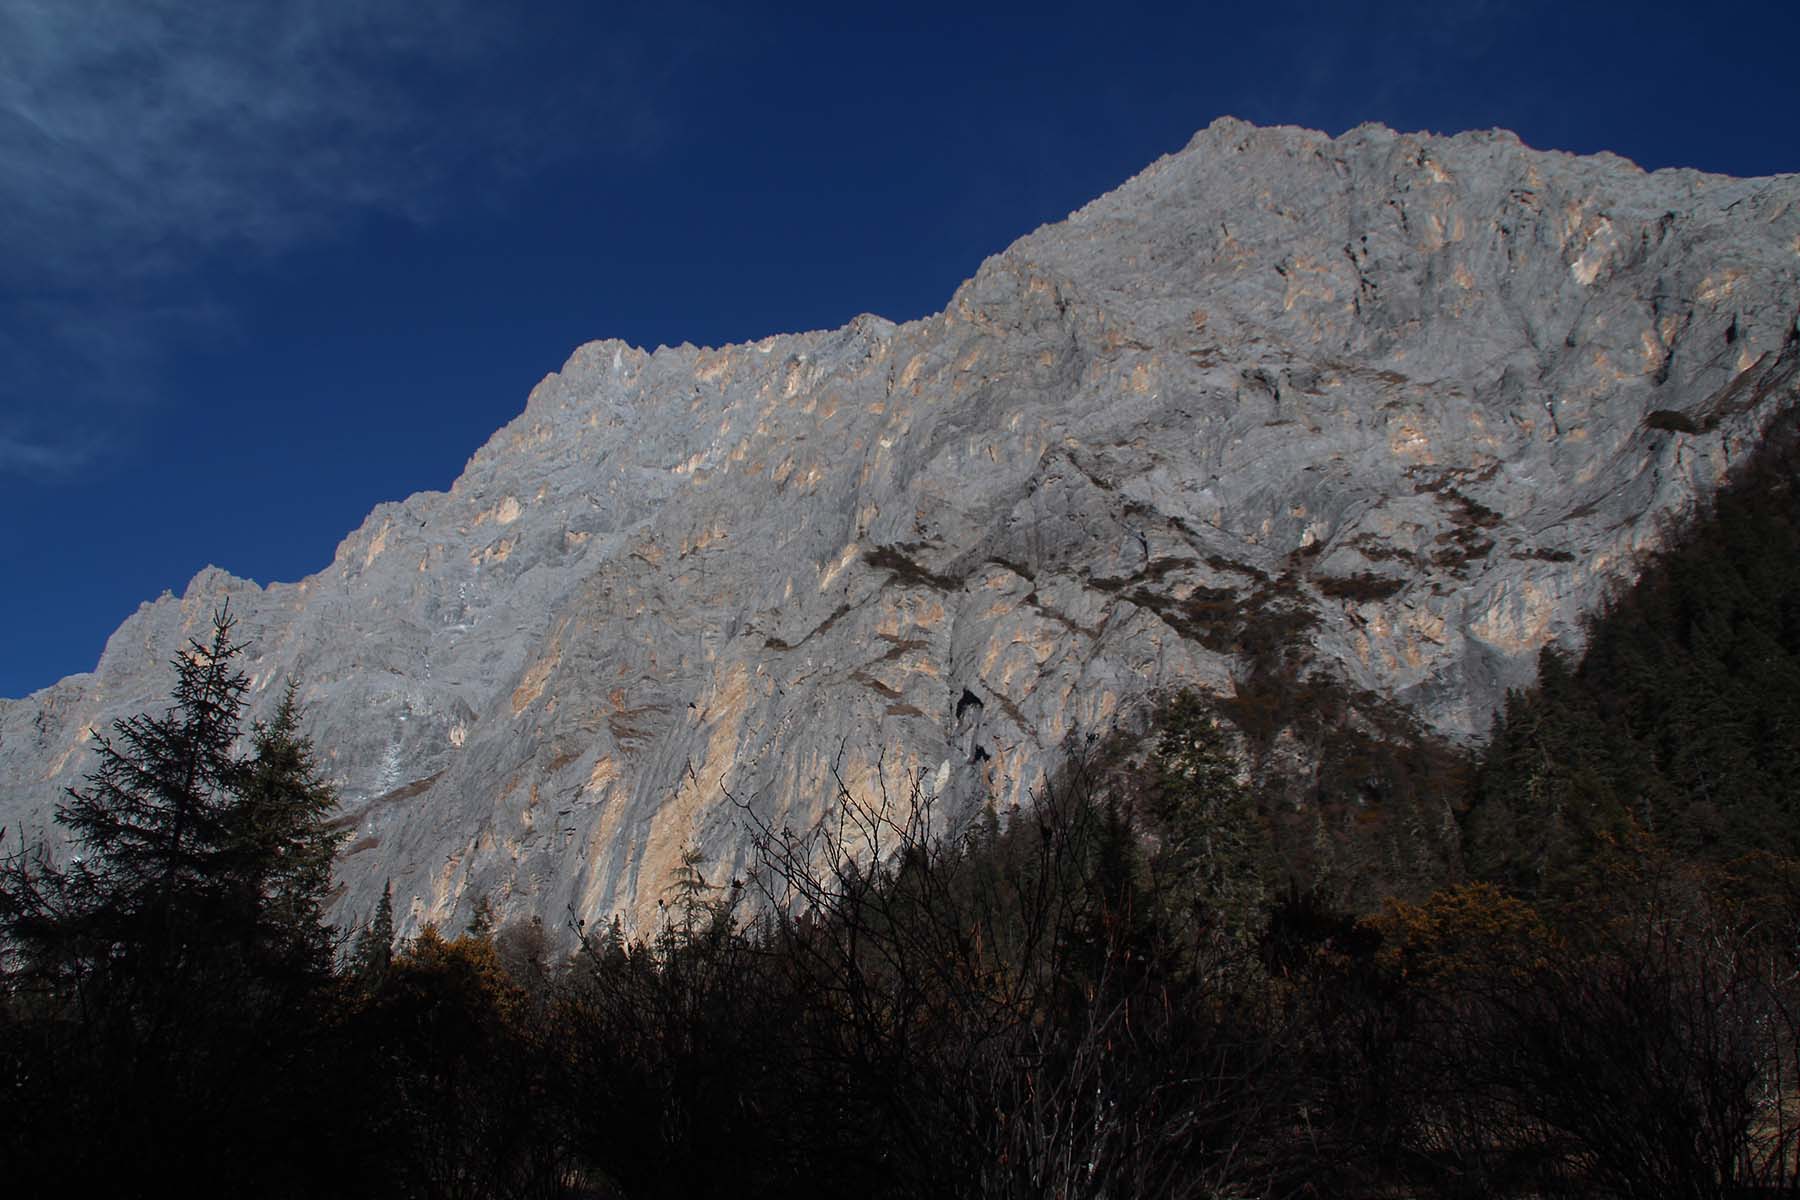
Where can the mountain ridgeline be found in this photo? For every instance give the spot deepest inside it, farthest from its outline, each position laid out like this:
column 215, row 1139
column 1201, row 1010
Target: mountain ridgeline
column 1341, row 433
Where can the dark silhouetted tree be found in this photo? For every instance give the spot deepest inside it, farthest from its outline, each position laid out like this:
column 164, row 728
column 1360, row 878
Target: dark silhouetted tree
column 374, row 950
column 177, row 963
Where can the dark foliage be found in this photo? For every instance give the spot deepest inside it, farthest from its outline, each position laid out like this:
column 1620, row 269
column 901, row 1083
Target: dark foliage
column 1682, row 721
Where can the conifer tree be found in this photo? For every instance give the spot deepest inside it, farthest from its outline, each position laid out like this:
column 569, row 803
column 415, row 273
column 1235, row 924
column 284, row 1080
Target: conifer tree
column 279, row 847
column 190, row 855
column 177, row 961
column 151, row 819
column 374, row 952
column 691, row 887
column 1214, row 858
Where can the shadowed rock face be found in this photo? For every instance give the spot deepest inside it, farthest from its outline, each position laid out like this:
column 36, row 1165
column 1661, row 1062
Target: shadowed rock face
column 1429, row 396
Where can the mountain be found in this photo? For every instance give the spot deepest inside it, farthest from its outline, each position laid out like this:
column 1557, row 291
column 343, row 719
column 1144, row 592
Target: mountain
column 1392, row 409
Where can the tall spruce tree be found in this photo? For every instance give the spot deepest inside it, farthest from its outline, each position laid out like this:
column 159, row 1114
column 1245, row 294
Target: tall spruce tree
column 279, row 849
column 151, row 818
column 374, row 952
column 189, row 854
column 1214, row 862
column 176, row 964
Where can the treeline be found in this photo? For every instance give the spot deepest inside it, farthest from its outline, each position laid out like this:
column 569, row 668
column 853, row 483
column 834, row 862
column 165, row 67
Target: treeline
column 1203, row 964
column 1680, row 723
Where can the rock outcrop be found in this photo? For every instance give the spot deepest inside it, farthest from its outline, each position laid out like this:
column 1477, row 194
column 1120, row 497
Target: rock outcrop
column 1429, row 398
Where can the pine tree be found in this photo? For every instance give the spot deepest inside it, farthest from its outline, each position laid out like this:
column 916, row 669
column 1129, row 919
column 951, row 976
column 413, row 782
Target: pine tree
column 1214, row 859
column 177, row 962
column 279, row 847
column 691, row 888
column 191, row 852
column 193, row 860
column 151, row 819
column 374, row 952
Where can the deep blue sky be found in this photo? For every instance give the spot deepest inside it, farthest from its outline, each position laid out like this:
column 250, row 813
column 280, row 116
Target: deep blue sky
column 266, row 263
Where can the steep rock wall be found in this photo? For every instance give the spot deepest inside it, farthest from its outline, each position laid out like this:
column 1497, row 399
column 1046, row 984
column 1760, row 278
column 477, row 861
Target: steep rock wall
column 1432, row 396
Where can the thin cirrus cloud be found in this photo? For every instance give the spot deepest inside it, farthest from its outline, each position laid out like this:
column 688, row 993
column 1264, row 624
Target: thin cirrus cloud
column 133, row 132
column 141, row 140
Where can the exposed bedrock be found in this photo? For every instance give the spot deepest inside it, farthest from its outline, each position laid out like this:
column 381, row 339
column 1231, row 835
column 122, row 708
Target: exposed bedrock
column 1436, row 395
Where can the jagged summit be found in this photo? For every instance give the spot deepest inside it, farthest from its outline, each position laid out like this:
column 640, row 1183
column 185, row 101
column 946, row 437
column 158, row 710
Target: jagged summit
column 1414, row 402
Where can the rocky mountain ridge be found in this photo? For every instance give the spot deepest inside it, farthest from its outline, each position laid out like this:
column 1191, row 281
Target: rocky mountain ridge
column 1407, row 405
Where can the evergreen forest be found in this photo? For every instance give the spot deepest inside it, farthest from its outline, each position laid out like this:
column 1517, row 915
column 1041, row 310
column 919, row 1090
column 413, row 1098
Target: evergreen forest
column 1283, row 943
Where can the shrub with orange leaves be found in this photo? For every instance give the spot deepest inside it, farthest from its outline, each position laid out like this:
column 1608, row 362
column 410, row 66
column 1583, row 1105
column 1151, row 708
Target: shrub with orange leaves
column 1471, row 929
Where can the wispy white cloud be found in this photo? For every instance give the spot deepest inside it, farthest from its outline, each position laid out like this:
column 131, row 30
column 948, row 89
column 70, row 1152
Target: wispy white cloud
column 134, row 133
column 80, row 372
column 34, row 456
column 143, row 140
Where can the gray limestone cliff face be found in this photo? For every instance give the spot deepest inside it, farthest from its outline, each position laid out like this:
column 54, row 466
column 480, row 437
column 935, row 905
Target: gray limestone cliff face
column 1439, row 393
